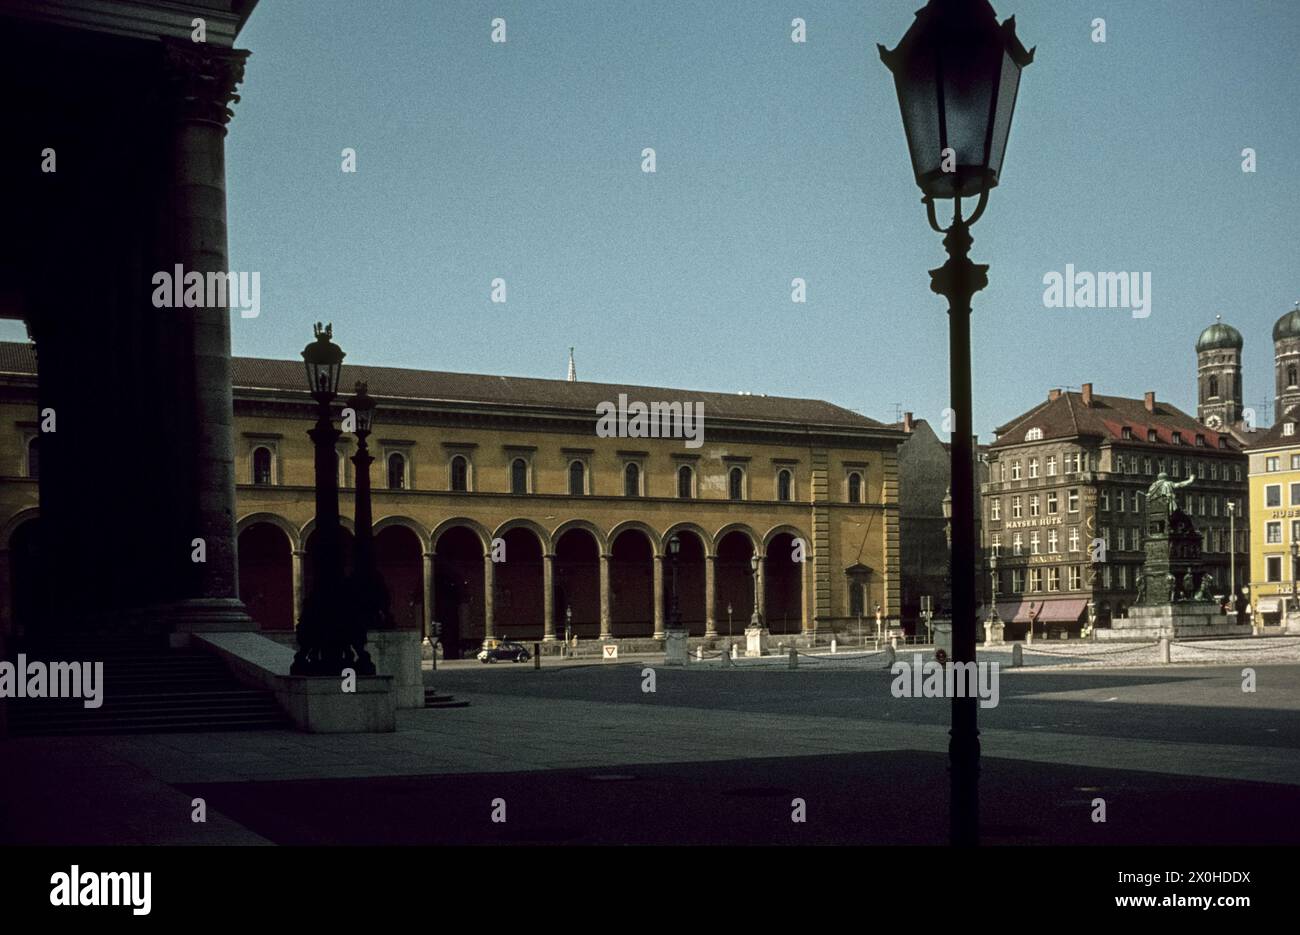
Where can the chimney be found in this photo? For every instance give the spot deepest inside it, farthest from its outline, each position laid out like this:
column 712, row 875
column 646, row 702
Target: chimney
column 1150, row 400
column 1053, row 395
column 907, row 423
column 1087, row 395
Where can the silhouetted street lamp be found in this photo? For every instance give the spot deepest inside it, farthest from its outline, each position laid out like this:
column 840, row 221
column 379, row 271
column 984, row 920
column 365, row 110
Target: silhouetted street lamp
column 329, row 639
column 675, row 613
column 370, row 594
column 957, row 73
column 755, row 619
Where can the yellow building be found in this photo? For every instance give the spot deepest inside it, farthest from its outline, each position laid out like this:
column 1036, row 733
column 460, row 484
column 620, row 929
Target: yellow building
column 1275, row 523
column 473, row 467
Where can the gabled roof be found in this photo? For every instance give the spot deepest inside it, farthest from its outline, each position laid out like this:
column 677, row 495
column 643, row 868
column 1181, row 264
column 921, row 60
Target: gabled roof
column 287, row 376
column 1067, row 417
column 1274, row 438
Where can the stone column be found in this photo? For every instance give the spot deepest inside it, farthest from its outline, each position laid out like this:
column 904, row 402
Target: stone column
column 761, row 578
column 201, row 81
column 548, row 598
column 489, row 593
column 659, row 633
column 429, row 609
column 299, row 556
column 605, row 631
column 710, row 598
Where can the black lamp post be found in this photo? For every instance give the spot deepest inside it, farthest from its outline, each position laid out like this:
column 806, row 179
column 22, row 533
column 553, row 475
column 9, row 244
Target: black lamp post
column 327, row 637
column 756, row 618
column 957, row 73
column 675, row 613
column 369, row 591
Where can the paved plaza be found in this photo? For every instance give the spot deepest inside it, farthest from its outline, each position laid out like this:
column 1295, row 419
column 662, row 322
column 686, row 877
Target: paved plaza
column 580, row 753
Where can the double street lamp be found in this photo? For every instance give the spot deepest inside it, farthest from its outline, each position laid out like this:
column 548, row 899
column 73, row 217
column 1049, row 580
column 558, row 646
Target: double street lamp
column 369, row 593
column 957, row 73
column 331, row 637
column 675, row 613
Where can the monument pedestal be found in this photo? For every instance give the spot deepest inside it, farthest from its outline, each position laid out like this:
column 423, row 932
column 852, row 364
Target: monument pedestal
column 756, row 641
column 943, row 637
column 993, row 630
column 675, row 648
column 1174, row 621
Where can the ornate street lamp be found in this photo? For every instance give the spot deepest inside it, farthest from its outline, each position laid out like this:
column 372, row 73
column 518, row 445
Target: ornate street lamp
column 329, row 639
column 957, row 74
column 675, row 613
column 756, row 618
column 993, row 590
column 370, row 594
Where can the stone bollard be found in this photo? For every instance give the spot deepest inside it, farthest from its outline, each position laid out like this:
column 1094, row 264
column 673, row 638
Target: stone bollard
column 890, row 656
column 1164, row 649
column 794, row 658
column 832, row 646
column 726, row 657
column 537, row 655
column 1017, row 656
column 699, row 653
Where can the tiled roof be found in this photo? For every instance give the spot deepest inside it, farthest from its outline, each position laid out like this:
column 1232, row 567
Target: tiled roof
column 1274, row 438
column 253, row 373
column 1067, row 417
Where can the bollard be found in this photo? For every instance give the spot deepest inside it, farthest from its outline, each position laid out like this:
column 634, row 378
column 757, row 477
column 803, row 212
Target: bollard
column 699, row 653
column 537, row 655
column 735, row 651
column 1017, row 656
column 832, row 646
column 1164, row 649
column 726, row 657
column 889, row 657
column 794, row 658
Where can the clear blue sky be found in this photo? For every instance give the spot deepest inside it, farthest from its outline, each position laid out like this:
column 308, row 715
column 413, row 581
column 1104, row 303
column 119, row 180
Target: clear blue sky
column 775, row 160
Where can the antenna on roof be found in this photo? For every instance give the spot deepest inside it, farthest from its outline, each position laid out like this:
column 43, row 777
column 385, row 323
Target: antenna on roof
column 573, row 370
column 898, row 412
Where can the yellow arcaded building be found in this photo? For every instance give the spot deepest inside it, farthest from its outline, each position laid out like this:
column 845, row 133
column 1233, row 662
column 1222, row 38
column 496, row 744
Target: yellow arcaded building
column 1275, row 524
column 585, row 517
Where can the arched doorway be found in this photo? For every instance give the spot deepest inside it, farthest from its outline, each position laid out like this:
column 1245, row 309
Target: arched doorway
column 690, row 582
column 733, row 581
column 632, row 585
column 517, row 603
column 782, row 586
column 577, row 583
column 401, row 564
column 266, row 575
column 458, row 591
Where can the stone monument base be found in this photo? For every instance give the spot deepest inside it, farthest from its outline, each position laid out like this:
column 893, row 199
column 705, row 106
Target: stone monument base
column 756, row 641
column 1175, row 621
column 676, row 650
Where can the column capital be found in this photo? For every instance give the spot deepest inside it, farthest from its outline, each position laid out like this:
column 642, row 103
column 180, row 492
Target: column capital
column 202, row 79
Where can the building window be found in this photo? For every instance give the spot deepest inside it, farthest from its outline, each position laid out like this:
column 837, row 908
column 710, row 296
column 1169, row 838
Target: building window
column 855, row 487
column 261, row 466
column 1126, row 433
column 1103, row 500
column 1016, row 509
column 1295, row 494
column 519, row 476
column 460, row 473
column 1200, row 441
column 783, row 483
column 736, row 484
column 1053, row 543
column 1119, row 464
column 1074, row 538
column 1290, row 375
column 685, row 481
column 1273, row 533
column 396, row 471
column 1015, row 470
column 1119, row 501
column 1072, row 500
column 577, row 479
column 1035, row 579
column 34, row 457
column 1053, row 503
column 1033, row 505
column 1017, row 544
column 632, row 480
column 1146, row 466
column 1033, row 467
column 1214, row 387
column 1051, row 465
column 1270, row 464
column 1236, row 473
column 995, row 508
column 1034, row 435
column 1076, row 578
column 1273, row 566
column 1033, row 542
column 996, row 544
column 1152, row 436
column 1054, row 579
column 1295, row 466
column 1017, row 581
column 1295, row 530
column 1273, row 495
column 1175, row 467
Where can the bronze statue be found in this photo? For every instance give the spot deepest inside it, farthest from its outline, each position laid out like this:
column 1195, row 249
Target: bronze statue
column 1205, row 594
column 1142, row 589
column 1163, row 487
column 1189, row 586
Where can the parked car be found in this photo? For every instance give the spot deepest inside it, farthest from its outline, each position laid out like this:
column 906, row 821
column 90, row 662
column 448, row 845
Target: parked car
column 495, row 650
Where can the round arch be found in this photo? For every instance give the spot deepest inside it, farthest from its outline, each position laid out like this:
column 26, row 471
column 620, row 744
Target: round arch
column 543, row 538
column 631, row 580
column 265, row 569
column 405, row 521
column 310, row 526
column 474, row 526
column 788, row 530
column 705, row 539
column 602, row 543
column 273, row 519
column 656, row 543
column 728, row 529
column 12, row 524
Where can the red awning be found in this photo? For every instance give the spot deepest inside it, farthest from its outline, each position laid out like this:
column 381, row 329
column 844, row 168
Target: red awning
column 1061, row 611
column 1007, row 611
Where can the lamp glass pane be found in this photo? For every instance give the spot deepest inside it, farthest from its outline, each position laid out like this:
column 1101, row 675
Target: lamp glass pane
column 917, row 97
column 1008, row 88
column 969, row 80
